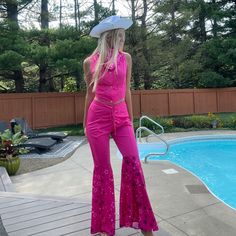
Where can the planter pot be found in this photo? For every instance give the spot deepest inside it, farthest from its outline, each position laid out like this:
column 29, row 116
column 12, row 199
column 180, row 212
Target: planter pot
column 12, row 165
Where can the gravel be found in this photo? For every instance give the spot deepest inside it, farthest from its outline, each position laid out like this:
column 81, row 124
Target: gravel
column 32, row 164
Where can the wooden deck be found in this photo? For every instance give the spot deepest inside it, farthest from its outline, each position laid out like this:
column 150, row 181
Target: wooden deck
column 24, row 215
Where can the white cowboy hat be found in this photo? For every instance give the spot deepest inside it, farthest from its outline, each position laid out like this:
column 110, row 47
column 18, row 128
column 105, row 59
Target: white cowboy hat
column 110, row 23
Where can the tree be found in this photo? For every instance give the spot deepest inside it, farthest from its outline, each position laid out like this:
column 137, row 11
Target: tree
column 12, row 52
column 146, row 74
column 44, row 72
column 137, row 44
column 12, row 32
column 174, row 45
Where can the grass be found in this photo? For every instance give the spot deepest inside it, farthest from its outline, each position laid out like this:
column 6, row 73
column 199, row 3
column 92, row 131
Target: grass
column 73, row 130
column 77, row 130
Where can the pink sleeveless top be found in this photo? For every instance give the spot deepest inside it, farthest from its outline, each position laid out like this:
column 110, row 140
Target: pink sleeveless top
column 109, row 102
column 111, row 86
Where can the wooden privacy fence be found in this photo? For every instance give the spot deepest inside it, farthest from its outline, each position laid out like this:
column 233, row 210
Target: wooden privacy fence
column 57, row 109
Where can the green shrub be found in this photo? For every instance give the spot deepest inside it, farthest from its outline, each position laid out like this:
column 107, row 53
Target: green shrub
column 167, row 123
column 198, row 121
column 201, row 121
column 182, row 122
column 230, row 122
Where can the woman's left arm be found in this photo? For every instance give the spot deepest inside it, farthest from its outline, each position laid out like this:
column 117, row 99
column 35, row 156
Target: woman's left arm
column 128, row 98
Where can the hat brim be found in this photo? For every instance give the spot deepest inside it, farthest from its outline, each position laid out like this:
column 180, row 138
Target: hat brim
column 122, row 23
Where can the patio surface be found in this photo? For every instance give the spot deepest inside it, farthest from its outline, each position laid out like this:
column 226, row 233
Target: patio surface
column 180, row 201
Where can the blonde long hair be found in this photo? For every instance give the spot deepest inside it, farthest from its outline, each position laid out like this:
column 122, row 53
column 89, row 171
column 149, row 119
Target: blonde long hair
column 109, row 40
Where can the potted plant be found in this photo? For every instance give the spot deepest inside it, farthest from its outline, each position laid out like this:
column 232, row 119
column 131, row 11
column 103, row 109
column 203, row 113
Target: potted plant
column 10, row 150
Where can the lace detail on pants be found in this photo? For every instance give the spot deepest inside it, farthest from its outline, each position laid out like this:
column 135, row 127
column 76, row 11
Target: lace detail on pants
column 103, row 201
column 135, row 208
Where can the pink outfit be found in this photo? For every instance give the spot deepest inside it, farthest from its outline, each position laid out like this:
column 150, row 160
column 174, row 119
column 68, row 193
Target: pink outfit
column 108, row 115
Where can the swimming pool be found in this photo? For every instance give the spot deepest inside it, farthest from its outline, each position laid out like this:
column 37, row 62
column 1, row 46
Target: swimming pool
column 211, row 158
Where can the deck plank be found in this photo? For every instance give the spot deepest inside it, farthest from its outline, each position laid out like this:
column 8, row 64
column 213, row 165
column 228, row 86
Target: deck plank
column 36, row 213
column 21, row 207
column 57, row 227
column 15, row 203
column 5, row 200
column 47, row 219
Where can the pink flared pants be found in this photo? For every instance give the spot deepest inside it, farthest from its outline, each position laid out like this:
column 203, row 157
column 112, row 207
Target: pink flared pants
column 135, row 211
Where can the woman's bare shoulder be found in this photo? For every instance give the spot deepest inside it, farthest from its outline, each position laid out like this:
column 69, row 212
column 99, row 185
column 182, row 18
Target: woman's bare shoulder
column 87, row 61
column 128, row 56
column 86, row 65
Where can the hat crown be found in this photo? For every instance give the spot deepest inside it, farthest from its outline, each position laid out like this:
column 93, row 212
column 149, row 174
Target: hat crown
column 110, row 23
column 111, row 19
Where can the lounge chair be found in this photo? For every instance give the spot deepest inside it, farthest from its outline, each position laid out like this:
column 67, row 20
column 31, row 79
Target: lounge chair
column 58, row 136
column 39, row 144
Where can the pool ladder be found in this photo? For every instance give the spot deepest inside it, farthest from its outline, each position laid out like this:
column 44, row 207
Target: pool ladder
column 151, row 133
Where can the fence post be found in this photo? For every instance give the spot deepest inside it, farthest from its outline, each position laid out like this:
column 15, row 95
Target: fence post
column 168, row 104
column 141, row 103
column 33, row 111
column 75, row 110
column 194, row 102
column 217, row 100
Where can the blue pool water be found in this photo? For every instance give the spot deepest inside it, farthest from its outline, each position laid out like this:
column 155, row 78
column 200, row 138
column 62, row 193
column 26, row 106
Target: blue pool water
column 212, row 160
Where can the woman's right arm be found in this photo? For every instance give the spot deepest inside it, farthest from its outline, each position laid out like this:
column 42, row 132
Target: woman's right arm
column 89, row 94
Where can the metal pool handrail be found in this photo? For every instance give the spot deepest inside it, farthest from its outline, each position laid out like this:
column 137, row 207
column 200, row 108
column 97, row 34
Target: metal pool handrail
column 139, row 136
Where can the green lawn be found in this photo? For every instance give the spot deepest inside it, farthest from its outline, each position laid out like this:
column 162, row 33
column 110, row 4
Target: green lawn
column 74, row 130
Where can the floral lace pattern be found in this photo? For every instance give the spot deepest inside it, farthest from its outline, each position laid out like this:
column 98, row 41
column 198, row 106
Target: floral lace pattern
column 103, row 201
column 135, row 208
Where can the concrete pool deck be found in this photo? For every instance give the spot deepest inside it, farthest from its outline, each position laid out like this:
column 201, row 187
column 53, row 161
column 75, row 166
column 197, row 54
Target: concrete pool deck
column 180, row 201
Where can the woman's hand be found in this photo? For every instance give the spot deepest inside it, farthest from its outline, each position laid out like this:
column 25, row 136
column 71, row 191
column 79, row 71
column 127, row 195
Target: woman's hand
column 85, row 131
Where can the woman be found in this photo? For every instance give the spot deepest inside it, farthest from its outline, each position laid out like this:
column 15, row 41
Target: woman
column 108, row 111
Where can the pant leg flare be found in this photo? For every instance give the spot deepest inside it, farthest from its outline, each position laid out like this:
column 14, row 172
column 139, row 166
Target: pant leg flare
column 135, row 207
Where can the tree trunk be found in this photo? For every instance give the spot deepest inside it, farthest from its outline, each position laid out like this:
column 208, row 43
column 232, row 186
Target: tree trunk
column 76, row 20
column 146, row 75
column 79, row 17
column 173, row 24
column 96, row 8
column 12, row 13
column 60, row 14
column 44, row 14
column 42, row 78
column 44, row 72
column 78, row 77
column 215, row 25
column 202, row 23
column 133, row 10
column 12, row 16
column 135, row 71
column 62, row 83
column 113, row 7
column 133, row 41
column 19, row 81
